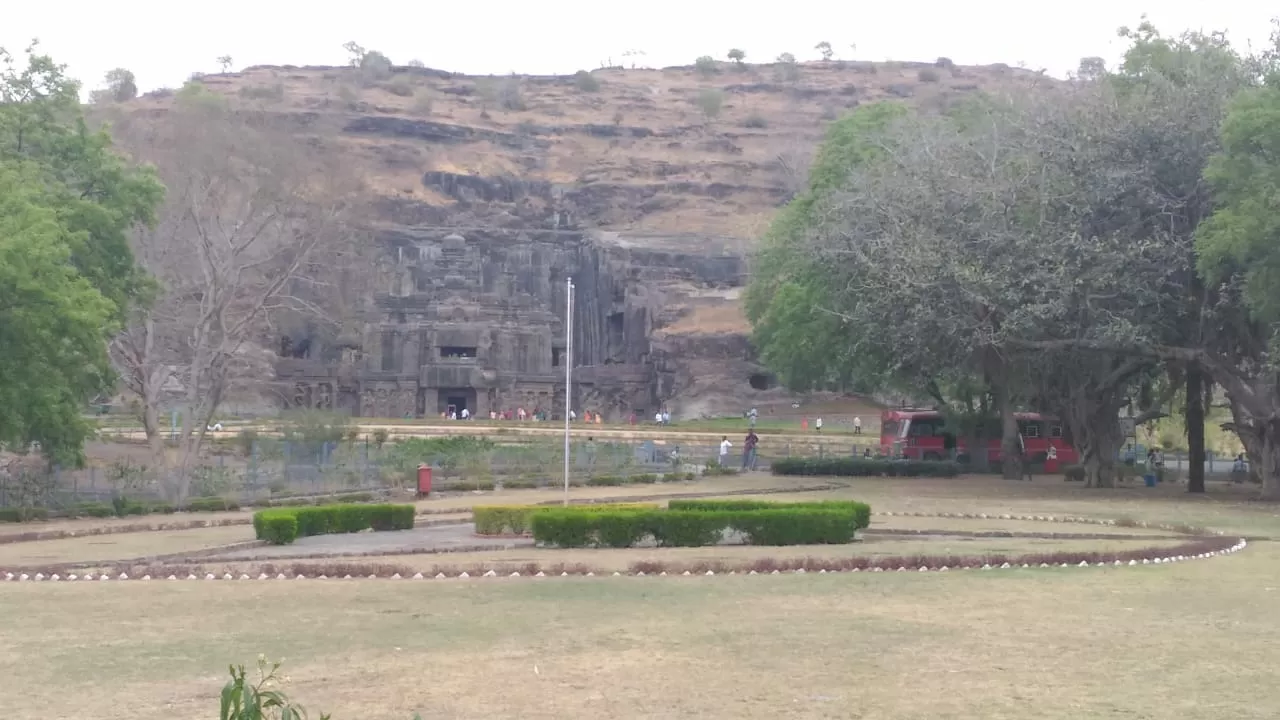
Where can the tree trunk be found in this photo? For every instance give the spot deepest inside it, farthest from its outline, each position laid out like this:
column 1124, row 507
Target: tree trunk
column 1195, row 429
column 1010, row 455
column 1099, row 444
column 1269, row 449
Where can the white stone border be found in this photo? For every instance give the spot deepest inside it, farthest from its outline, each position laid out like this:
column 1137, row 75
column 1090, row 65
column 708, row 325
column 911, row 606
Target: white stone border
column 40, row 577
column 1156, row 559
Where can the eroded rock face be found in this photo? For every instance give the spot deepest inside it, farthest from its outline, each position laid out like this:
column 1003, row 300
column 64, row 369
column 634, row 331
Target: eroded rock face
column 475, row 319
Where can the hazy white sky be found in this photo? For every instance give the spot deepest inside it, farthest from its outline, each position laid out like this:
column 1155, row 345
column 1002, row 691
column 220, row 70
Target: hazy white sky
column 164, row 41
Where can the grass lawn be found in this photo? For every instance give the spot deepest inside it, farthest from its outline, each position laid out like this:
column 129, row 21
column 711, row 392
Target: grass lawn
column 120, row 546
column 1192, row 640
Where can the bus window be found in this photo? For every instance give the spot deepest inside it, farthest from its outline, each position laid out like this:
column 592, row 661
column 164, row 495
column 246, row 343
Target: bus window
column 1031, row 430
column 925, row 428
column 889, row 428
column 1055, row 431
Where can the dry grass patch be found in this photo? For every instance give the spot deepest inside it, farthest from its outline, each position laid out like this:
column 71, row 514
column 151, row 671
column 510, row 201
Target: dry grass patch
column 1194, row 640
column 120, row 546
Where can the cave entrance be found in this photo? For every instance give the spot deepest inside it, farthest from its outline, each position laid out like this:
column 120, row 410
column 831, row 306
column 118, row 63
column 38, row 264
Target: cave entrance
column 455, row 400
column 762, row 381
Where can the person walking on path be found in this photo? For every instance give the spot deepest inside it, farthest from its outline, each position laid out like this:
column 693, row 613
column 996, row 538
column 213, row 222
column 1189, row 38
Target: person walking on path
column 724, row 451
column 857, row 425
column 817, row 424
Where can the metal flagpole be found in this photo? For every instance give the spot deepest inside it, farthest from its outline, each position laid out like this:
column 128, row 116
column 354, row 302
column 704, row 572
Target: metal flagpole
column 568, row 379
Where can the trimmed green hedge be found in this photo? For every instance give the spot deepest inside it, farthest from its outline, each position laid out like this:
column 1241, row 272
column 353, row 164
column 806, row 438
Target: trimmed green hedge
column 14, row 514
column 861, row 511
column 865, row 467
column 211, row 504
column 279, row 528
column 769, row 524
column 515, row 519
column 341, row 518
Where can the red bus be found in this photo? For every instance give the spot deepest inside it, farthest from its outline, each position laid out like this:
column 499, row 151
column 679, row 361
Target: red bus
column 923, row 435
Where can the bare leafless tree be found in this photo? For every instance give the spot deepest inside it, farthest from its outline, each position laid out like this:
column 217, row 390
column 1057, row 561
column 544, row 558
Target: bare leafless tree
column 256, row 226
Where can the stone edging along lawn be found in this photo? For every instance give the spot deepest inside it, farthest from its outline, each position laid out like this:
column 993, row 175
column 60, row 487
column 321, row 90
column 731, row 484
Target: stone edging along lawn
column 1199, row 546
column 1198, row 551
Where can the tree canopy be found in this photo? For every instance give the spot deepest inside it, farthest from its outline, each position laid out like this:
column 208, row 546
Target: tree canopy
column 67, row 277
column 1040, row 246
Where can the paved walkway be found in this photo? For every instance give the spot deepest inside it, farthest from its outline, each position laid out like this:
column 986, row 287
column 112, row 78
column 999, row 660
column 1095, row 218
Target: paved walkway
column 439, row 538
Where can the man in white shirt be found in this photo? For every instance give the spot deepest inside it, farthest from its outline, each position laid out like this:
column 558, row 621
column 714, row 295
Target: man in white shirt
column 857, row 425
column 818, row 424
column 465, row 413
column 657, row 418
column 724, row 451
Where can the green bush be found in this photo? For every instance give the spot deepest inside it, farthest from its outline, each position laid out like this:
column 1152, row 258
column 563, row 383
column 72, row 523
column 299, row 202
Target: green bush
column 605, row 480
column 865, row 467
column 391, row 517
column 99, row 510
column 698, row 524
column 278, row 527
column 861, row 511
column 11, row 514
column 339, row 518
column 516, row 519
column 585, row 81
column 211, row 504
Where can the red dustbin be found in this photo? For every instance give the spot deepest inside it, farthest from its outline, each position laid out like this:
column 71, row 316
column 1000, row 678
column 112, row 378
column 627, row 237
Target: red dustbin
column 424, row 480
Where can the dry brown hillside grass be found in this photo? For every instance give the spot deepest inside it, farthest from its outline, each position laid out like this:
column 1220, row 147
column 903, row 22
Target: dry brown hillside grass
column 643, row 128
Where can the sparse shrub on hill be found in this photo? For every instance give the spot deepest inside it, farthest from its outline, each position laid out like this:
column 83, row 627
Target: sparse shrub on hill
column 374, row 67
column 617, row 118
column 585, row 81
column 944, row 62
column 416, row 63
column 504, row 94
column 928, row 75
column 786, row 69
column 710, row 102
column 824, row 49
column 755, row 120
column 737, row 56
column 423, row 105
column 400, row 85
column 706, row 66
column 349, row 97
column 273, row 92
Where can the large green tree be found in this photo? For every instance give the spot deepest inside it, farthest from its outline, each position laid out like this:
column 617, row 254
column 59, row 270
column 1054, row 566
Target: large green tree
column 53, row 322
column 67, row 276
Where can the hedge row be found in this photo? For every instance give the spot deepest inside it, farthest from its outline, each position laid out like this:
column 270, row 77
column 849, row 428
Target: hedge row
column 515, row 519
column 861, row 511
column 329, row 519
column 119, row 507
column 619, row 528
column 865, row 467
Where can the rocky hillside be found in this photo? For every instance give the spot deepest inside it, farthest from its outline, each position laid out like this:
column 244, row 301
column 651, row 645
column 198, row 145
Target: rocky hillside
column 669, row 174
column 697, row 154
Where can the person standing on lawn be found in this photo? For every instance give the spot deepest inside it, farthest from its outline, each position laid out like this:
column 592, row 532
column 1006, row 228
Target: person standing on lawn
column 749, row 450
column 724, row 451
